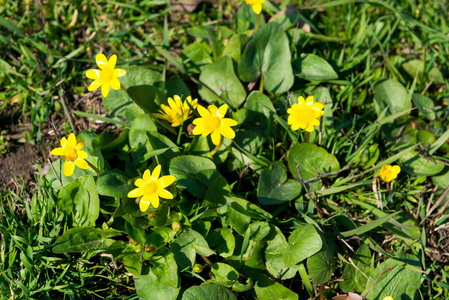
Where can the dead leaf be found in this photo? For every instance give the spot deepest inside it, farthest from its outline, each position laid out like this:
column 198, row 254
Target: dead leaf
column 349, row 296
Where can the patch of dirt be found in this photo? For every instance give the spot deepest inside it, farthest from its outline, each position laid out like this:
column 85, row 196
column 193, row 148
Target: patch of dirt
column 438, row 244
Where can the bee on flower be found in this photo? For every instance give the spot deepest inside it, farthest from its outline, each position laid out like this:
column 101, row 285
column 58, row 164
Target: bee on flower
column 150, row 187
column 388, row 173
column 107, row 76
column 70, row 152
column 305, row 114
column 256, row 5
column 177, row 112
column 213, row 122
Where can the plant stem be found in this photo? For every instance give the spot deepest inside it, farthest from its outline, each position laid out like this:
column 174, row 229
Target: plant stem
column 218, row 147
column 93, row 167
column 261, row 83
column 179, row 134
column 67, row 112
column 258, row 21
column 54, row 171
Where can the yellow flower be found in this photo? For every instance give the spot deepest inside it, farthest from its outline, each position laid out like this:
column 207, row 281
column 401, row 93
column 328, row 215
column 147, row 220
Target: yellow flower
column 305, row 114
column 177, row 112
column 150, row 187
column 256, row 4
column 70, row 151
column 388, row 173
column 388, row 298
column 212, row 122
column 107, row 76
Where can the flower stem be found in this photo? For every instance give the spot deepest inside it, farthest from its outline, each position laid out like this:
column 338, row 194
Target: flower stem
column 218, row 147
column 258, row 22
column 307, row 137
column 261, row 83
column 179, row 134
column 93, row 167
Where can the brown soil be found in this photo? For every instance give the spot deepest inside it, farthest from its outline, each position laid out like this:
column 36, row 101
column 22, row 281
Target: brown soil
column 438, row 245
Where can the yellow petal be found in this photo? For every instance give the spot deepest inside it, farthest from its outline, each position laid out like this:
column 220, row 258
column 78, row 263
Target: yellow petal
column 81, row 163
column 135, row 193
column 115, row 84
column 63, row 141
column 119, row 73
column 309, row 100
column 58, row 151
column 68, row 168
column 139, row 182
column 105, row 89
column 227, row 132
column 215, row 137
column 80, row 143
column 112, row 61
column 146, row 175
column 93, row 74
column 396, row 169
column 309, row 127
column 202, row 111
column 94, row 85
column 164, row 194
column 144, row 204
column 198, row 129
column 82, row 154
column 257, row 8
column 212, row 109
column 318, row 105
column 101, row 60
column 222, row 111
column 295, row 126
column 167, row 180
column 300, row 100
column 153, row 199
column 71, row 141
column 228, row 122
column 156, row 172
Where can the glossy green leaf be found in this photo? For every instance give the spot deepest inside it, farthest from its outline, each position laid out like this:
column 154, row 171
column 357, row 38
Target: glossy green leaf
column 268, row 54
column 268, row 289
column 416, row 67
column 246, row 19
column 133, row 264
column 219, row 79
column 187, row 245
column 274, row 188
column 146, row 97
column 321, row 265
column 314, row 68
column 274, row 254
column 353, row 279
column 390, row 93
column 302, row 243
column 81, row 239
column 413, row 164
column 112, row 184
column 80, row 201
column 234, row 48
column 260, row 110
column 309, row 157
column 195, row 56
column 223, row 239
column 208, row 291
column 224, row 274
column 425, row 106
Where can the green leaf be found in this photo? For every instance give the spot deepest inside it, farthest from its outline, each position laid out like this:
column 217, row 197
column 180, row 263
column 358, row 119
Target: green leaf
column 193, row 173
column 176, row 86
column 186, row 246
column 274, row 254
column 267, row 289
column 246, row 19
column 390, row 93
column 442, row 179
column 413, row 164
column 208, row 291
column 80, row 201
column 234, row 48
column 401, row 282
column 287, row 17
column 370, row 226
column 117, row 102
column 303, row 243
column 250, row 142
column 353, row 279
column 314, row 68
column 145, row 96
column 195, row 56
column 268, row 54
column 219, row 79
column 439, row 142
column 274, row 188
column 417, row 67
column 223, row 239
column 224, row 274
column 260, row 110
column 132, row 263
column 81, row 239
column 309, row 157
column 9, row 25
column 112, row 184
column 321, row 265
column 425, row 105
column 138, row 138
column 161, row 281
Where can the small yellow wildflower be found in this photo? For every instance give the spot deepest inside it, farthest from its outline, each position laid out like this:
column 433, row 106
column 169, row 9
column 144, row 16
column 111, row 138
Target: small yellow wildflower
column 388, row 298
column 305, row 114
column 150, row 187
column 388, row 173
column 70, row 151
column 107, row 76
column 177, row 112
column 256, row 4
column 212, row 122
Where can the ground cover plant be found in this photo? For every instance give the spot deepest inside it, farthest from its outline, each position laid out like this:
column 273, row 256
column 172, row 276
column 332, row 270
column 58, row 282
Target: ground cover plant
column 224, row 150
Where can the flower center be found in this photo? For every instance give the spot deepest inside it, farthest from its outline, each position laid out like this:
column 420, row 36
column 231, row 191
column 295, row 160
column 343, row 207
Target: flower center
column 71, row 154
column 305, row 114
column 211, row 123
column 107, row 75
column 150, row 187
